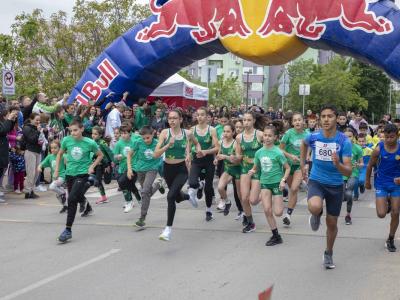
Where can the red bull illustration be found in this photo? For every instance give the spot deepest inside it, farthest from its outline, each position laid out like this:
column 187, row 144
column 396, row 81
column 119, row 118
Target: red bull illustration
column 306, row 18
column 209, row 20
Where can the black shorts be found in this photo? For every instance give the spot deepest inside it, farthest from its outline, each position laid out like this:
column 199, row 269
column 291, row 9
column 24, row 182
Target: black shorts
column 333, row 195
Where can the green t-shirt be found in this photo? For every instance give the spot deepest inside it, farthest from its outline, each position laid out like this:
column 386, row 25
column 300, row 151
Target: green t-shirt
column 123, row 147
column 220, row 130
column 143, row 156
column 140, row 118
column 269, row 162
column 68, row 118
column 356, row 155
column 292, row 140
column 79, row 154
column 50, row 162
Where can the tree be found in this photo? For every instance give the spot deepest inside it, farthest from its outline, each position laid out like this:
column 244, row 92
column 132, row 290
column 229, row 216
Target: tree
column 52, row 54
column 226, row 92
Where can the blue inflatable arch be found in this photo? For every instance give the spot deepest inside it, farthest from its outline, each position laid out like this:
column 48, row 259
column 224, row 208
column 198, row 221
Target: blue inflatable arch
column 145, row 56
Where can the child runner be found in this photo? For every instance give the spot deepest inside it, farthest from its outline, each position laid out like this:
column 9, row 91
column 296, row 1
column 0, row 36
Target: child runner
column 352, row 181
column 386, row 161
column 247, row 145
column 121, row 150
column 290, row 146
column 175, row 143
column 367, row 152
column 231, row 168
column 331, row 159
column 105, row 164
column 203, row 159
column 17, row 163
column 269, row 161
column 146, row 167
column 79, row 165
column 57, row 183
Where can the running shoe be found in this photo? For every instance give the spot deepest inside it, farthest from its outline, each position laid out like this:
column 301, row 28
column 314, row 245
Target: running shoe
column 200, row 189
column 1, row 194
column 65, row 236
column 209, row 216
column 390, row 245
column 286, row 220
column 227, row 208
column 328, row 261
column 102, row 199
column 251, row 227
column 82, row 205
column 129, row 206
column 63, row 198
column 315, row 221
column 166, row 234
column 88, row 211
column 239, row 216
column 137, row 196
column 274, row 240
column 40, row 188
column 362, row 189
column 347, row 219
column 221, row 205
column 140, row 223
column 2, row 200
column 162, row 185
column 64, row 209
column 192, row 197
column 17, row 191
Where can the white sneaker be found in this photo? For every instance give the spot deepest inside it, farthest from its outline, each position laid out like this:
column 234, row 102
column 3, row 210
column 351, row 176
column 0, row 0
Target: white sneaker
column 1, row 194
column 129, row 206
column 193, row 197
column 2, row 200
column 221, row 205
column 166, row 234
column 40, row 188
column 239, row 216
column 17, row 191
column 286, row 220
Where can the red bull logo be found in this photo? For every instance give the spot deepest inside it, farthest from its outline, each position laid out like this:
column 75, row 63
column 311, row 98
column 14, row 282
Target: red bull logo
column 208, row 19
column 306, row 18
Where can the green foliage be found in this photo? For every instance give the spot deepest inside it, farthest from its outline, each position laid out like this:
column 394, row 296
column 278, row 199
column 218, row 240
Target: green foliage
column 51, row 54
column 226, row 92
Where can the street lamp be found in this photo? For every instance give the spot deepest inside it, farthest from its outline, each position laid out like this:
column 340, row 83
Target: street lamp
column 247, row 87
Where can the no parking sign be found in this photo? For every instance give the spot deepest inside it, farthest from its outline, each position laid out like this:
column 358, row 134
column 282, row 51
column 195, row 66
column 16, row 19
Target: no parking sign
column 8, row 82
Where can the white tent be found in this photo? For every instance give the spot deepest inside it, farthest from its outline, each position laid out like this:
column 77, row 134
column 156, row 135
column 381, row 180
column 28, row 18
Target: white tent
column 177, row 86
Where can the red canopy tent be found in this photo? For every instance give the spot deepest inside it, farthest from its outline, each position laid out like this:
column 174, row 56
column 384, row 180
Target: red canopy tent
column 177, row 91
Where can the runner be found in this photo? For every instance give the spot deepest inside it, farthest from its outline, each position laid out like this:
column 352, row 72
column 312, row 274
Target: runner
column 331, row 159
column 247, row 144
column 367, row 152
column 203, row 160
column 146, row 167
column 231, row 167
column 79, row 165
column 386, row 161
column 290, row 146
column 269, row 161
column 175, row 143
column 352, row 182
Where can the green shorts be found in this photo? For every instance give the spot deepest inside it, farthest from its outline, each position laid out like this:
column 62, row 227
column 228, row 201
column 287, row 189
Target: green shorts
column 234, row 172
column 245, row 168
column 274, row 188
column 293, row 169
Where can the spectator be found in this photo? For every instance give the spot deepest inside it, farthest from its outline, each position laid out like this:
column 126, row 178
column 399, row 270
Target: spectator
column 141, row 114
column 357, row 121
column 158, row 122
column 7, row 123
column 270, row 113
column 114, row 119
column 42, row 106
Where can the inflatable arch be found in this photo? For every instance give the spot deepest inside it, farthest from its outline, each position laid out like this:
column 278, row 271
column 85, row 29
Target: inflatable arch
column 267, row 32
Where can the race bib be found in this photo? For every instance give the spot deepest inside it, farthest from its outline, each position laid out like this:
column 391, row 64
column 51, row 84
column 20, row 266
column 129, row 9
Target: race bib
column 324, row 151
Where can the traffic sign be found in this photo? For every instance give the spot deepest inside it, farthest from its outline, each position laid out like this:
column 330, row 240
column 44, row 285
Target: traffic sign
column 283, row 89
column 8, row 82
column 304, row 89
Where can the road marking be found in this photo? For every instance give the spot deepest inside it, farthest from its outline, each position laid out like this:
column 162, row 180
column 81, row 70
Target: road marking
column 59, row 275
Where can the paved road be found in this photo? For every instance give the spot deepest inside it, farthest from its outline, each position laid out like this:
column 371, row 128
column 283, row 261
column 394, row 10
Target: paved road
column 109, row 259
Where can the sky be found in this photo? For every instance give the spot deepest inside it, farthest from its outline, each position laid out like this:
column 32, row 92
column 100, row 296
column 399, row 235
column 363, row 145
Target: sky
column 10, row 9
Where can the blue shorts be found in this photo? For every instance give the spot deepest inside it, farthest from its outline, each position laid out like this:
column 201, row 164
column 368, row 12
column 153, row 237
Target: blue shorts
column 384, row 192
column 333, row 195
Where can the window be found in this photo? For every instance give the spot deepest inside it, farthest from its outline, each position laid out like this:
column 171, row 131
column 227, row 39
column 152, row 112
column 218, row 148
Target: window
column 257, row 86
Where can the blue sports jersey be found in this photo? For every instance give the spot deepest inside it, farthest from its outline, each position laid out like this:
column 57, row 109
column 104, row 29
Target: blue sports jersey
column 387, row 168
column 323, row 170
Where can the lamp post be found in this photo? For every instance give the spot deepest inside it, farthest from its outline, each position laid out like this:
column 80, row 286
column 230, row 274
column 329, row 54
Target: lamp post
column 247, row 87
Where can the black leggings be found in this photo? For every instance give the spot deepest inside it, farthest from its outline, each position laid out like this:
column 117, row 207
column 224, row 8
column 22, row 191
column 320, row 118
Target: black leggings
column 175, row 176
column 99, row 171
column 77, row 188
column 198, row 164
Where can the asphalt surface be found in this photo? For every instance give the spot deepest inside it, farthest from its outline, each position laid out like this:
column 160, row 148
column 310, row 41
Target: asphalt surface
column 108, row 258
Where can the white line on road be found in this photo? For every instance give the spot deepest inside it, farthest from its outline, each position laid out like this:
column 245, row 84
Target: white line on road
column 59, row 275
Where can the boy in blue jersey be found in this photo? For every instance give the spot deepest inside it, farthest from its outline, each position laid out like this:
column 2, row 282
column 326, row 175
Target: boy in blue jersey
column 331, row 160
column 386, row 161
